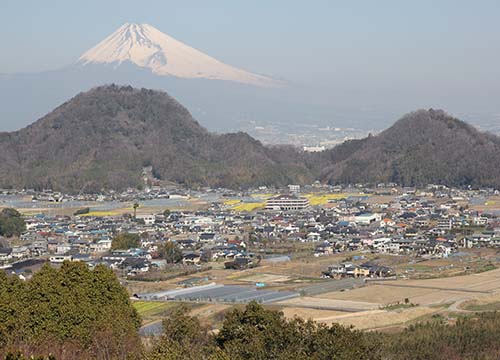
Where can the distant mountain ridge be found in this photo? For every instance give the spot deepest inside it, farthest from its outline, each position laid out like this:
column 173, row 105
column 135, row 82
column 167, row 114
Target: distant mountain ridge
column 103, row 138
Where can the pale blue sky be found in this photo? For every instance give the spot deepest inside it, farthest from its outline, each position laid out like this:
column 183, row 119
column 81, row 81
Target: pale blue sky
column 381, row 52
column 286, row 38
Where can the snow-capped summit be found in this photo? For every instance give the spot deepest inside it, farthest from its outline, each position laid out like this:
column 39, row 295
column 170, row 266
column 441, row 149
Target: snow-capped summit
column 148, row 47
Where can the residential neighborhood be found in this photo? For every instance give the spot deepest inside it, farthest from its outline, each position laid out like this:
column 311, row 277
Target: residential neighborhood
column 425, row 223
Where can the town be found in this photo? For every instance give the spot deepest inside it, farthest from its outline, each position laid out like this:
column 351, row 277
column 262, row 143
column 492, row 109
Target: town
column 291, row 247
column 432, row 222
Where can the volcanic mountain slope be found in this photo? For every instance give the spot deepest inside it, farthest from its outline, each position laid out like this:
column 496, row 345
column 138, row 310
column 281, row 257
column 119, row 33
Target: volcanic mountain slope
column 147, row 47
column 426, row 146
column 103, row 138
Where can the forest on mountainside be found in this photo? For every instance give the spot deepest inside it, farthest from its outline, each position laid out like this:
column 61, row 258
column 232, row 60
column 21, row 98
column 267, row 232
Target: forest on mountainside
column 103, row 139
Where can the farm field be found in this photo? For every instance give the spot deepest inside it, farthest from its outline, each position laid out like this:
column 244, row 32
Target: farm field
column 242, row 206
column 379, row 319
column 425, row 292
column 264, row 278
column 369, row 307
column 151, row 311
column 333, row 304
column 322, row 199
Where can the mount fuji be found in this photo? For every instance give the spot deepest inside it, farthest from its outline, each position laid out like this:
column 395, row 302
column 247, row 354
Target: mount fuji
column 149, row 48
column 220, row 96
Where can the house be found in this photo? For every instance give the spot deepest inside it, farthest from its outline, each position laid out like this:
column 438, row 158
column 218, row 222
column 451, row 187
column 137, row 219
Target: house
column 101, row 246
column 191, row 259
column 367, row 219
column 324, row 249
column 186, row 243
column 135, row 265
column 386, row 222
column 20, row 252
column 313, row 237
column 375, row 270
column 207, row 237
column 345, row 270
column 63, row 248
column 5, row 254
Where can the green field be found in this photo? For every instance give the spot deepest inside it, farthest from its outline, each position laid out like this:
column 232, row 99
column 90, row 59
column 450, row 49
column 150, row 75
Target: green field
column 151, row 309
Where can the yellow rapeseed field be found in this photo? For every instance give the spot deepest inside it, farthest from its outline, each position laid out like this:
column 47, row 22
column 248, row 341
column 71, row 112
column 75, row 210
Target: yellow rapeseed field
column 232, row 202
column 248, row 206
column 322, row 199
column 103, row 213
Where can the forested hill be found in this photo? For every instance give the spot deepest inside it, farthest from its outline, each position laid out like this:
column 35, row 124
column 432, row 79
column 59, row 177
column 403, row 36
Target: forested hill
column 426, row 146
column 103, row 138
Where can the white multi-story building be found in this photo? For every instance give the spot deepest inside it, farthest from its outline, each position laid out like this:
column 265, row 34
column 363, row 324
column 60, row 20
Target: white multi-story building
column 148, row 219
column 287, row 202
column 314, row 148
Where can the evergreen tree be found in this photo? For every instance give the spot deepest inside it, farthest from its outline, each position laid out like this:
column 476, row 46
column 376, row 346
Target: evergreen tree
column 125, row 241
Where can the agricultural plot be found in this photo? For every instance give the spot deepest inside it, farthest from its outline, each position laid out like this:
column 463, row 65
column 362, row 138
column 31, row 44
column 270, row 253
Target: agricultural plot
column 264, row 278
column 248, row 206
column 425, row 292
column 103, row 213
column 150, row 311
column 330, row 304
column 322, row 199
column 377, row 319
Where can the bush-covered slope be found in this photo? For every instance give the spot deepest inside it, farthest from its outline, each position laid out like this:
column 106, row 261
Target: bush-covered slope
column 426, row 146
column 103, row 138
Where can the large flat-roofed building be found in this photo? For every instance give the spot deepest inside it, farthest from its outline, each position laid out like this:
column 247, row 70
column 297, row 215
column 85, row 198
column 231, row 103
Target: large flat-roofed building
column 287, row 202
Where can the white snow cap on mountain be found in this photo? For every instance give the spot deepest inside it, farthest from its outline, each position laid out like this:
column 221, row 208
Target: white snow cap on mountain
column 148, row 47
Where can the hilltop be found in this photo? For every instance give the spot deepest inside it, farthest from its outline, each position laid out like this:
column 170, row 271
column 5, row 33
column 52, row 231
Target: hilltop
column 103, row 138
column 426, row 146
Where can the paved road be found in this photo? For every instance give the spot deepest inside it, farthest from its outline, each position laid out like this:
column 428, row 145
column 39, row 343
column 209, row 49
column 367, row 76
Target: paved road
column 152, row 329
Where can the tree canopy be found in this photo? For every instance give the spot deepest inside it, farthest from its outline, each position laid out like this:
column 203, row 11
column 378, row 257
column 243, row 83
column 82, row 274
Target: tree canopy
column 258, row 333
column 74, row 311
column 125, row 241
column 170, row 252
column 11, row 223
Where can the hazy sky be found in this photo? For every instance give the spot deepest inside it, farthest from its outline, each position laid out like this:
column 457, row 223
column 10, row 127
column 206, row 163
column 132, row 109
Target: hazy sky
column 413, row 53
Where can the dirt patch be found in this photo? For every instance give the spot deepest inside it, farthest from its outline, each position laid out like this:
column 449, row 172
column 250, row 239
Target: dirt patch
column 313, row 314
column 375, row 319
column 265, row 278
column 330, row 304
